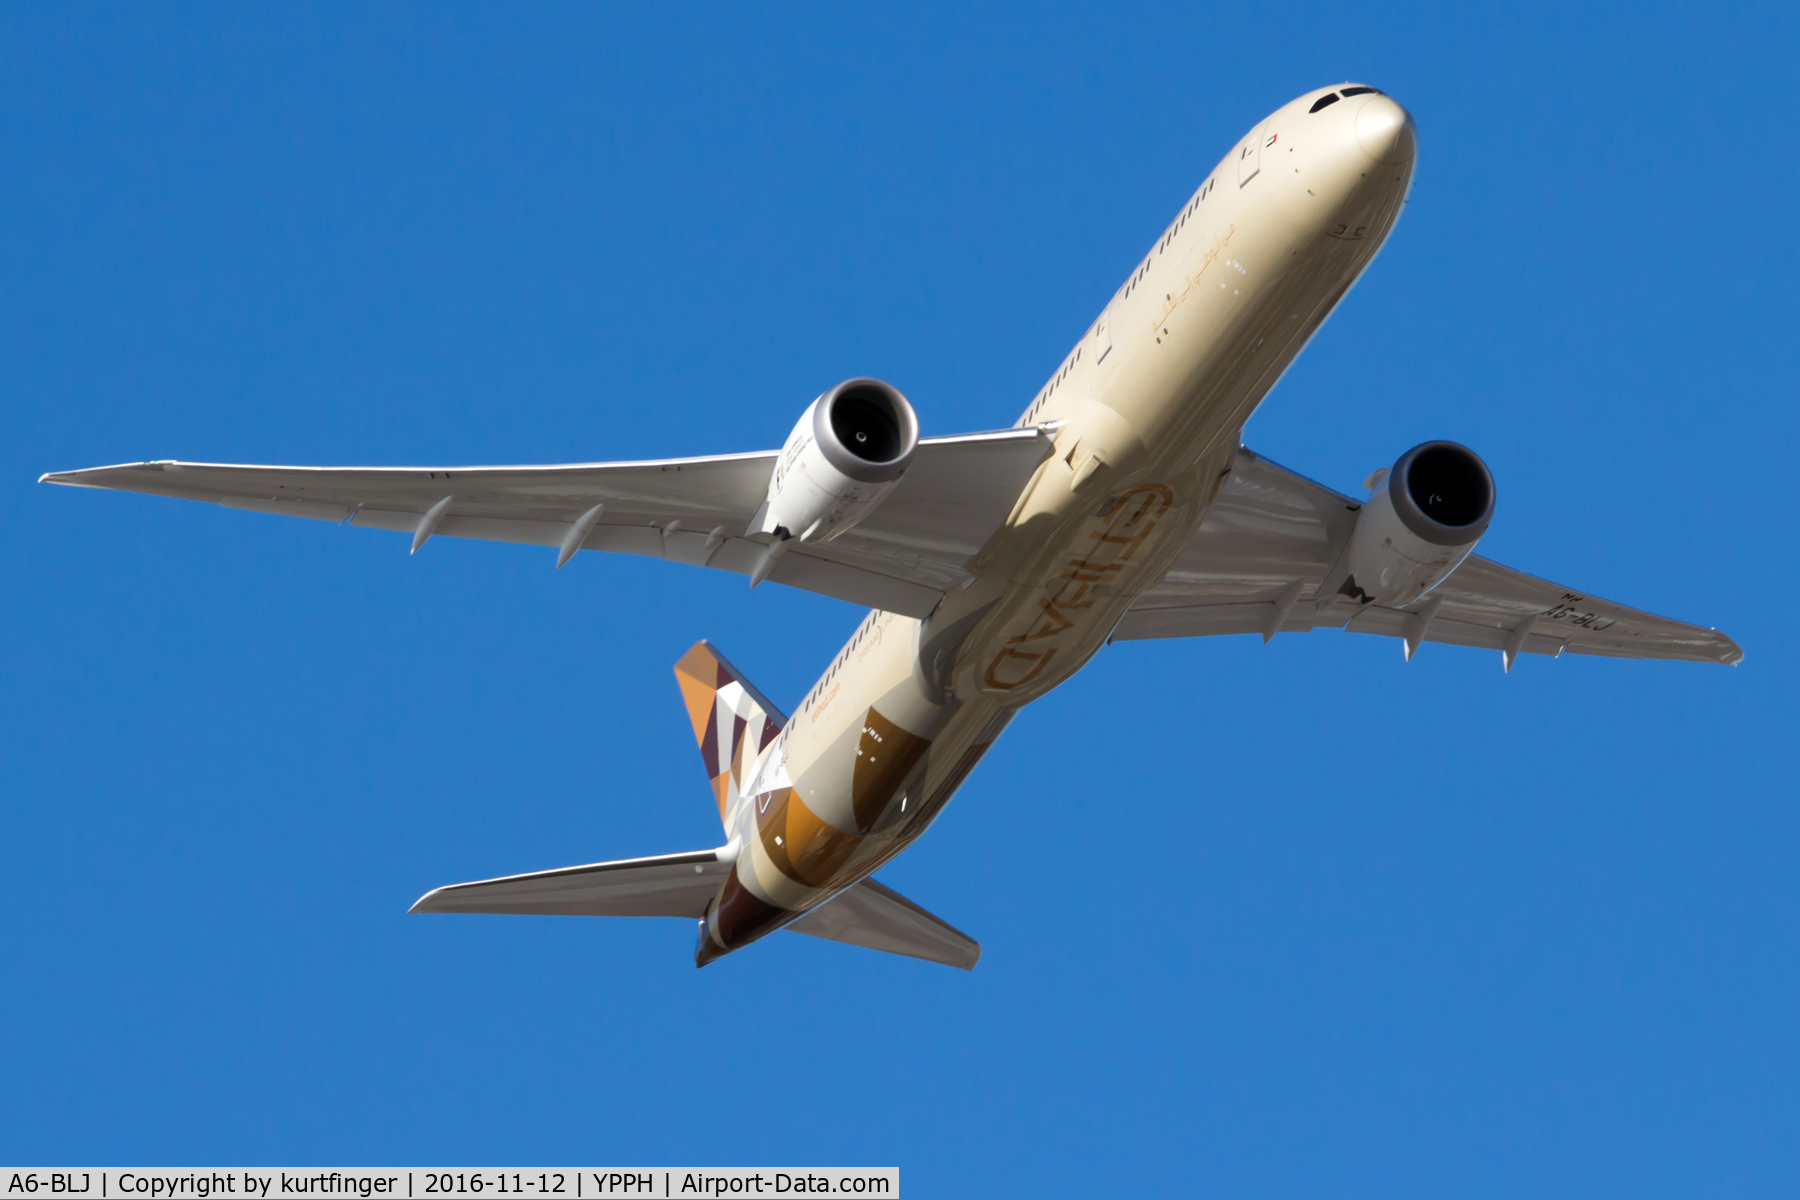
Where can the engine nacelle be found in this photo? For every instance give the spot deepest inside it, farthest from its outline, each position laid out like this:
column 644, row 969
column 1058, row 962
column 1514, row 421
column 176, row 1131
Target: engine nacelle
column 850, row 448
column 1426, row 514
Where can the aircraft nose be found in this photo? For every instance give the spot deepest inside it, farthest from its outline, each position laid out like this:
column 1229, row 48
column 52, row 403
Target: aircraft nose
column 1385, row 131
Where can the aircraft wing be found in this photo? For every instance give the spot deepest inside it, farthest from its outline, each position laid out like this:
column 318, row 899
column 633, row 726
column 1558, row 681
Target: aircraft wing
column 1269, row 550
column 666, row 885
column 901, row 558
column 880, row 918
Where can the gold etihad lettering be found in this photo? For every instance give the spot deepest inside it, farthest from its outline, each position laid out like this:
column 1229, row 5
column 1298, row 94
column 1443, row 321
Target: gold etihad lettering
column 1207, row 259
column 1115, row 546
column 1011, row 653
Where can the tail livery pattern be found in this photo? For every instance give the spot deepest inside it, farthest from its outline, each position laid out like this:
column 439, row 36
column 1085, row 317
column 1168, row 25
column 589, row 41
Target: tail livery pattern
column 732, row 721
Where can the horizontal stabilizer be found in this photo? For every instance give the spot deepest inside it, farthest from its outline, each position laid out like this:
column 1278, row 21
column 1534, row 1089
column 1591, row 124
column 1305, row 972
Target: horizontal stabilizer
column 667, row 885
column 882, row 919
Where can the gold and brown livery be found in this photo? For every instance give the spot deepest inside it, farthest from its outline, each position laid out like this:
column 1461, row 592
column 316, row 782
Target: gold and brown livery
column 733, row 722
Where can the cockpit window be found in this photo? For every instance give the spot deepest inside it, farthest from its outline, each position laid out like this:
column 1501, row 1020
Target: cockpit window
column 1362, row 91
column 1329, row 98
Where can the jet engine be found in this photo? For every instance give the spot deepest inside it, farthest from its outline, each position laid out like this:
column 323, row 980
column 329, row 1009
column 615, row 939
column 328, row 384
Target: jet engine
column 1425, row 515
column 848, row 451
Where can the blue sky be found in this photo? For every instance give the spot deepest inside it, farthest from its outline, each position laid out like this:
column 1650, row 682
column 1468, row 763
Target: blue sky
column 1301, row 919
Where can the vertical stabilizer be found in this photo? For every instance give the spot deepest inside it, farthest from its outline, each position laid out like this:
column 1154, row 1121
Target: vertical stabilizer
column 732, row 720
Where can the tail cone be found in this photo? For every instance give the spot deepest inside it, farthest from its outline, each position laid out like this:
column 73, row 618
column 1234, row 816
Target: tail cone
column 705, row 948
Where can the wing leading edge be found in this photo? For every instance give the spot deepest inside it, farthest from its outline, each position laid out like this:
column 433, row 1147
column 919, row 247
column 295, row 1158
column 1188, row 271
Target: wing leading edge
column 665, row 885
column 901, row 559
column 1260, row 558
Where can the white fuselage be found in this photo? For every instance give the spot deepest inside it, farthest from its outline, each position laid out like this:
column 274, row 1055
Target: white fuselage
column 1147, row 409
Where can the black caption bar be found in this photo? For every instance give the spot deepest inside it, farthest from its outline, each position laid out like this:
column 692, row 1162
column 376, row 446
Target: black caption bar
column 433, row 1183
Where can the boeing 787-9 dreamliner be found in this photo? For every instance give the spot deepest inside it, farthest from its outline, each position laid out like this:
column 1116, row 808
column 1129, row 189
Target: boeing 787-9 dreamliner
column 1120, row 504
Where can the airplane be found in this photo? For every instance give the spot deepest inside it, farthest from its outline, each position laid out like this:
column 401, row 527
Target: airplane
column 1120, row 505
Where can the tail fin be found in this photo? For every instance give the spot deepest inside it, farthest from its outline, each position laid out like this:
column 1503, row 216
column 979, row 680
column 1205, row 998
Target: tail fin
column 732, row 720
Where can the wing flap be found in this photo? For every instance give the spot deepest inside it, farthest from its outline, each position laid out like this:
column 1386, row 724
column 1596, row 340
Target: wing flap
column 319, row 510
column 667, row 885
column 957, row 492
column 1391, row 622
column 880, row 918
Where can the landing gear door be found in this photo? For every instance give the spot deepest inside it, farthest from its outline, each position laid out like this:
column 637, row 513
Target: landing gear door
column 1249, row 156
